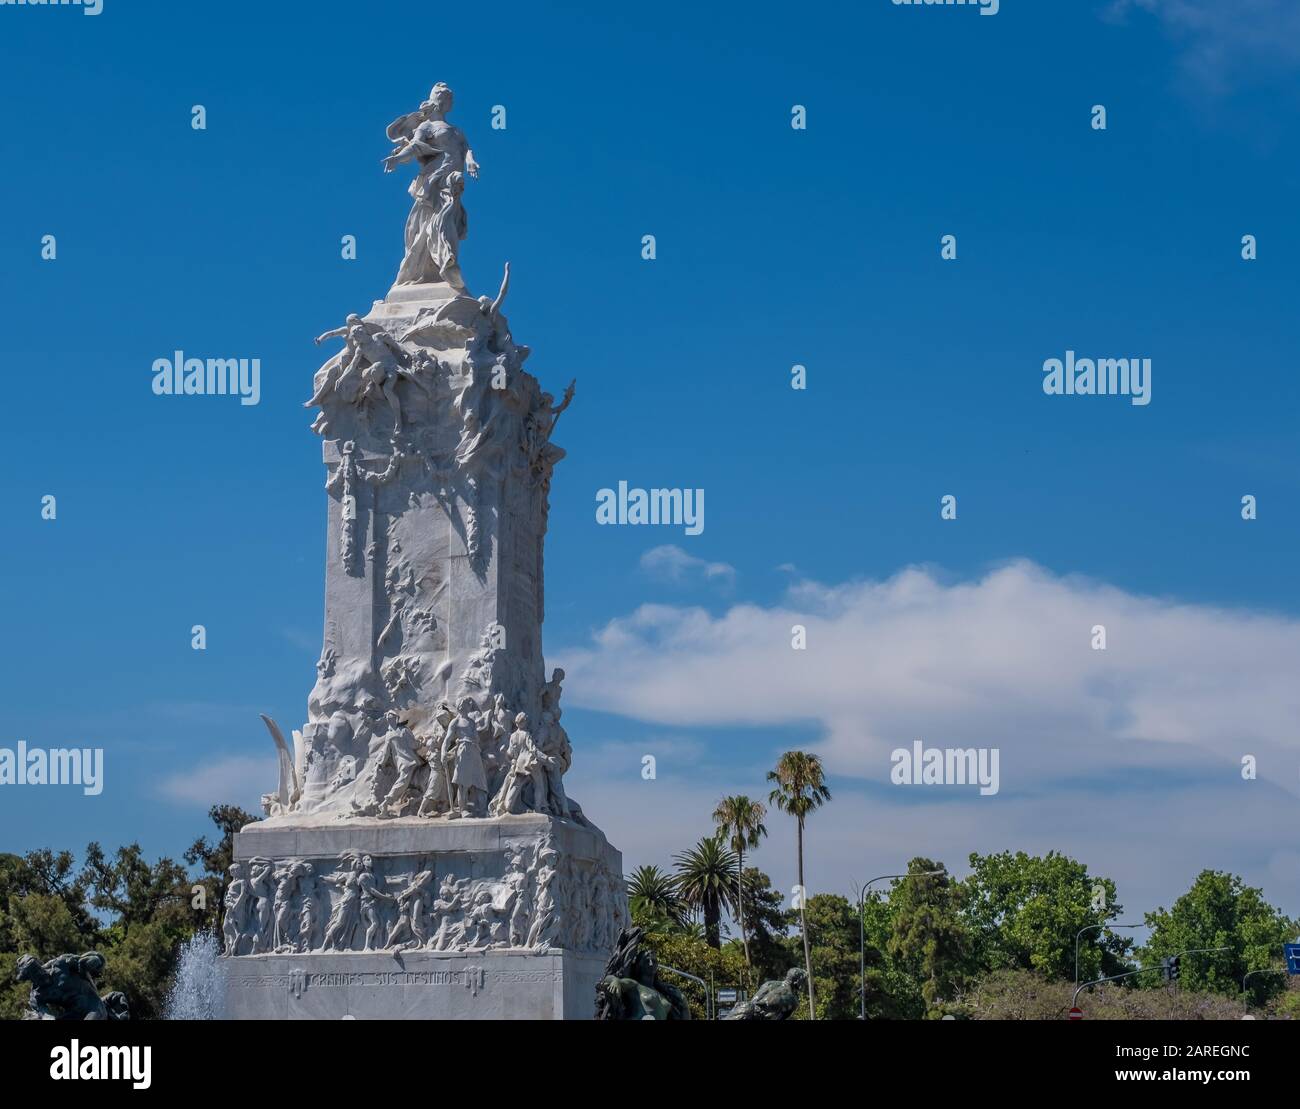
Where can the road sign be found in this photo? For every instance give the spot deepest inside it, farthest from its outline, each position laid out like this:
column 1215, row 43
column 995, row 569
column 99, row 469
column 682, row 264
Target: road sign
column 1292, row 957
column 1076, row 1013
column 727, row 997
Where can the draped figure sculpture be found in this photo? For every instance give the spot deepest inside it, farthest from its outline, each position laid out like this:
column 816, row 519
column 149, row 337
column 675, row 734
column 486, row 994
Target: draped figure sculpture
column 437, row 222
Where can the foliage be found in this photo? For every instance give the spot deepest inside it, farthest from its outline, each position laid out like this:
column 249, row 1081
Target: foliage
column 893, row 990
column 706, row 880
column 768, row 921
column 47, row 874
column 832, row 924
column 739, row 820
column 1220, row 911
column 1025, row 911
column 1025, row 995
column 653, row 900
column 800, row 785
column 133, row 891
column 1286, row 1004
column 929, row 933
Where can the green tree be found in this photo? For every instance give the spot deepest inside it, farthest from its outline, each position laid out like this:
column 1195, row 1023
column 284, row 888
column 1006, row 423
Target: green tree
column 706, row 880
column 135, row 891
column 768, row 921
column 142, row 962
column 1025, row 912
column 740, row 820
column 893, row 989
column 1220, row 910
column 928, row 931
column 832, row 924
column 800, row 789
column 43, row 926
column 44, row 873
column 653, row 900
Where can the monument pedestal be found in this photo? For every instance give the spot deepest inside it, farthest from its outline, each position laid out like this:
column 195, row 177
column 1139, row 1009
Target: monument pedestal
column 498, row 918
column 412, row 985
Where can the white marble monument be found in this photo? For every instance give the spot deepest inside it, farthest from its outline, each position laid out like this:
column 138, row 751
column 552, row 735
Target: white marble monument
column 421, row 857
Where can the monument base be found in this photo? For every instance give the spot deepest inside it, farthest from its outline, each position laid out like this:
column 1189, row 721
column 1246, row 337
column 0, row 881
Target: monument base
column 409, row 918
column 411, row 985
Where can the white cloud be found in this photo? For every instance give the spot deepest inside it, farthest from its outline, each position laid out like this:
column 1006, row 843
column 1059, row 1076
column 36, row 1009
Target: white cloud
column 1129, row 757
column 1007, row 658
column 1224, row 40
column 671, row 563
column 237, row 779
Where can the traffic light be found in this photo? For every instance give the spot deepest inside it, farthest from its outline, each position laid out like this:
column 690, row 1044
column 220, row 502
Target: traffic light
column 1171, row 968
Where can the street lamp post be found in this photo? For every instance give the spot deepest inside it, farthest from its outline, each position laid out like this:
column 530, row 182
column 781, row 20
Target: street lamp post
column 862, row 932
column 1089, row 928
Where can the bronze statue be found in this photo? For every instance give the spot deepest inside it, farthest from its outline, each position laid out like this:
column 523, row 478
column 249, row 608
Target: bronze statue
column 775, row 1000
column 632, row 989
column 64, row 989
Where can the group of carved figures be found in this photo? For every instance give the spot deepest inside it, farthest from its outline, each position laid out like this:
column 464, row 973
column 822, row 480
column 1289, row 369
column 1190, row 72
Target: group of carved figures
column 540, row 902
column 375, row 360
column 473, row 763
column 462, row 761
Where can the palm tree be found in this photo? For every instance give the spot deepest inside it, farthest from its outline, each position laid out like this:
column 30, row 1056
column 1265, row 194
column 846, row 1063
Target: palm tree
column 653, row 894
column 800, row 788
column 741, row 821
column 706, row 877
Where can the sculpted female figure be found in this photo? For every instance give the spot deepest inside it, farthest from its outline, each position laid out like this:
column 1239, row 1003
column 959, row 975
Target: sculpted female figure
column 260, row 886
column 468, row 776
column 347, row 912
column 234, row 928
column 437, row 222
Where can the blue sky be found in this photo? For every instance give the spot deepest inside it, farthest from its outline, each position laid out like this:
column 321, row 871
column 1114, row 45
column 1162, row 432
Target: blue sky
column 775, row 247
